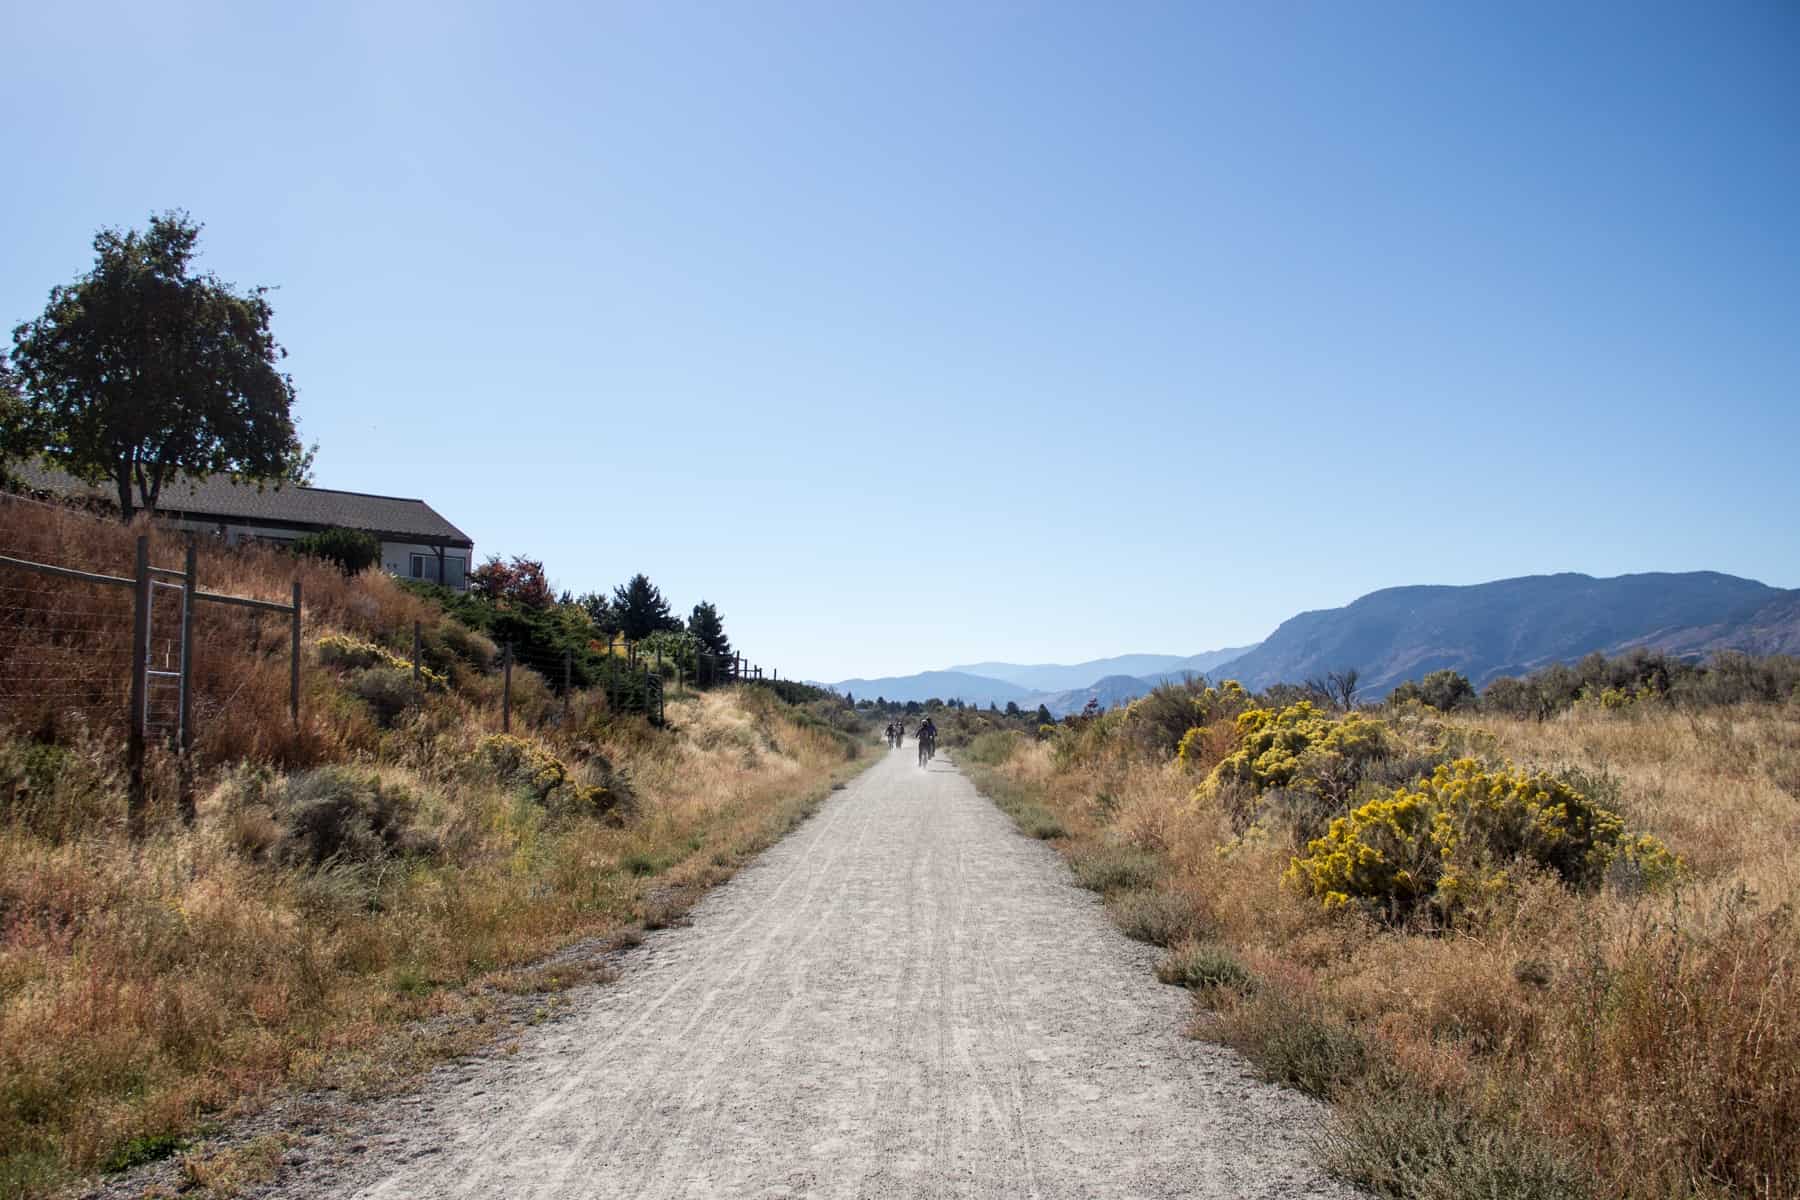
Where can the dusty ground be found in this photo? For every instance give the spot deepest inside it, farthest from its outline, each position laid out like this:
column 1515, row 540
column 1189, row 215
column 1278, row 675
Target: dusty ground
column 906, row 997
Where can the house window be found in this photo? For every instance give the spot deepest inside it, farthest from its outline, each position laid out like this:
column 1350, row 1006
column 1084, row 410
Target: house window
column 456, row 569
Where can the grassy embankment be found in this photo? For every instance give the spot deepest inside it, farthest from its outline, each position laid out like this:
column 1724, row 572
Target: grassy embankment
column 1607, row 1035
column 387, row 861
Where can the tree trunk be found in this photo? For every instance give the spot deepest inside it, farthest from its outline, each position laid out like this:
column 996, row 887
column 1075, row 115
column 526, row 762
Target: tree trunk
column 123, row 480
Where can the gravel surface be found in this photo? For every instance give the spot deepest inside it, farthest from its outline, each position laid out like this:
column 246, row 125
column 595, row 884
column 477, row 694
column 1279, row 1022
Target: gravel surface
column 905, row 997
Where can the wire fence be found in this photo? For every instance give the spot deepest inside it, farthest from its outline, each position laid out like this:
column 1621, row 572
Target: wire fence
column 150, row 654
column 111, row 651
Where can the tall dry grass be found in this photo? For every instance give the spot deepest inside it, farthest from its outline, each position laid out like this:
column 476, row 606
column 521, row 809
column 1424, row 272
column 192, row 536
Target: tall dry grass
column 146, row 989
column 1620, row 1044
column 65, row 646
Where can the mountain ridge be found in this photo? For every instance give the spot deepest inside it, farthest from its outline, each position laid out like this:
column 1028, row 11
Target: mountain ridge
column 1485, row 630
column 1516, row 625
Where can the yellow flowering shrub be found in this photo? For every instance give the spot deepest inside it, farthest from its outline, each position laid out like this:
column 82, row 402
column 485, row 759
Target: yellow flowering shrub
column 1271, row 744
column 347, row 653
column 1453, row 839
column 528, row 765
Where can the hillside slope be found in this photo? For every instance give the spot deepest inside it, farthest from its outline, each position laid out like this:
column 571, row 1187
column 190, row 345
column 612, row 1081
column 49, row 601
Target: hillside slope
column 1515, row 625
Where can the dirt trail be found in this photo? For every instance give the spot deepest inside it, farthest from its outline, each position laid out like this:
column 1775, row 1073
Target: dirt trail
column 905, row 997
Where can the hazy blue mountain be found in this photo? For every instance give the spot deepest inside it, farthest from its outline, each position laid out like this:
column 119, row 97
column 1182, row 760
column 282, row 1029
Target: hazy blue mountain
column 1516, row 625
column 1111, row 691
column 1208, row 664
column 1058, row 677
column 944, row 685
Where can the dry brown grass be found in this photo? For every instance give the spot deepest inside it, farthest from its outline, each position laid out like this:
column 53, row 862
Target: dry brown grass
column 144, row 988
column 1620, row 1044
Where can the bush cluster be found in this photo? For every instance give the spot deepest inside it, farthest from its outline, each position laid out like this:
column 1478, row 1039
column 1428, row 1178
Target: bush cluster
column 1299, row 745
column 346, row 653
column 342, row 815
column 352, row 551
column 1638, row 676
column 1456, row 838
column 526, row 765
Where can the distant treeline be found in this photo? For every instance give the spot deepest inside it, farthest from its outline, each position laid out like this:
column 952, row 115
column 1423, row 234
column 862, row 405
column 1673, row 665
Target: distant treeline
column 1616, row 682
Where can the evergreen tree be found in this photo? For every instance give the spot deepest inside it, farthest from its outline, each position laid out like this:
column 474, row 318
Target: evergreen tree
column 641, row 609
column 709, row 629
column 600, row 610
column 1044, row 717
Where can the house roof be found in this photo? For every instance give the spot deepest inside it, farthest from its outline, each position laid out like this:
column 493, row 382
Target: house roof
column 219, row 497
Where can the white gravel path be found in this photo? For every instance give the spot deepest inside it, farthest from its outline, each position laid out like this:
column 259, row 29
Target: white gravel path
column 904, row 998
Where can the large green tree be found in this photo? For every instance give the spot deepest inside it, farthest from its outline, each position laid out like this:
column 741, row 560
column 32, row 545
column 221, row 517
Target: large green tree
column 641, row 609
column 708, row 629
column 142, row 371
column 15, row 430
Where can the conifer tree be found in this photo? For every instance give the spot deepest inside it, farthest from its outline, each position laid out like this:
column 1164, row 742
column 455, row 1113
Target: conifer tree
column 641, row 609
column 708, row 628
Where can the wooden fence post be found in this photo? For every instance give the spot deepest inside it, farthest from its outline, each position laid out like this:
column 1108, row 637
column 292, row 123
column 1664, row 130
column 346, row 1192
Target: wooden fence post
column 568, row 680
column 185, row 720
column 140, row 701
column 416, row 640
column 294, row 662
column 506, row 688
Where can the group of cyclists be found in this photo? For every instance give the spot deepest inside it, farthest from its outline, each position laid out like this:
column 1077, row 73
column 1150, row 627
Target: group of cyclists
column 925, row 735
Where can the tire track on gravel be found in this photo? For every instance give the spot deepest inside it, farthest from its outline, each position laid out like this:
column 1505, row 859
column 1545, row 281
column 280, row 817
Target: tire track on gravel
column 905, row 997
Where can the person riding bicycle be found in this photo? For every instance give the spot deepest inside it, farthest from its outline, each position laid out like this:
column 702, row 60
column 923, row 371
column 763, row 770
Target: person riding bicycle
column 890, row 734
column 928, row 736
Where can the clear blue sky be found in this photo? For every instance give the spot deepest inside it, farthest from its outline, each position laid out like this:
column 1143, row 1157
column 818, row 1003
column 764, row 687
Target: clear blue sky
column 913, row 334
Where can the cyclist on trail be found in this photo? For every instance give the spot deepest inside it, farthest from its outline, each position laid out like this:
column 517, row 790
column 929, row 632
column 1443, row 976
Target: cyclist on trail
column 927, row 739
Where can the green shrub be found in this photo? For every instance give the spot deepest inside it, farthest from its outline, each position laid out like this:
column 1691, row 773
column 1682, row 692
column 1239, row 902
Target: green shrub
column 60, row 792
column 1305, row 1051
column 1401, row 1141
column 1107, row 868
column 1034, row 820
column 1153, row 915
column 1442, row 690
column 1457, row 837
column 1202, row 965
column 352, row 551
column 337, row 814
column 1156, row 724
column 993, row 748
column 388, row 691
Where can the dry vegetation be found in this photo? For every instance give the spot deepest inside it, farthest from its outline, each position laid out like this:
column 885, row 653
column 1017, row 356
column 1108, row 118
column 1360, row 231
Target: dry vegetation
column 1627, row 1040
column 344, row 880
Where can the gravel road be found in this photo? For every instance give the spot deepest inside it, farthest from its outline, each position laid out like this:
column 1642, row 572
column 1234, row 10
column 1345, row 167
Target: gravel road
column 905, row 997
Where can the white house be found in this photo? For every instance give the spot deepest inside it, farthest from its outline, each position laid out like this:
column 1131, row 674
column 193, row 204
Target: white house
column 416, row 543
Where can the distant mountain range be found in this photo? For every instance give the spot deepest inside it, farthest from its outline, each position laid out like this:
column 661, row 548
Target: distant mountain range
column 1513, row 626
column 1486, row 630
column 1049, row 684
column 1056, row 677
column 943, row 685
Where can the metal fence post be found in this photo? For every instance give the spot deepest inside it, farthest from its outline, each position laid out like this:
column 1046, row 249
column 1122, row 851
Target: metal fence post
column 185, row 721
column 294, row 662
column 506, row 655
column 140, row 700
